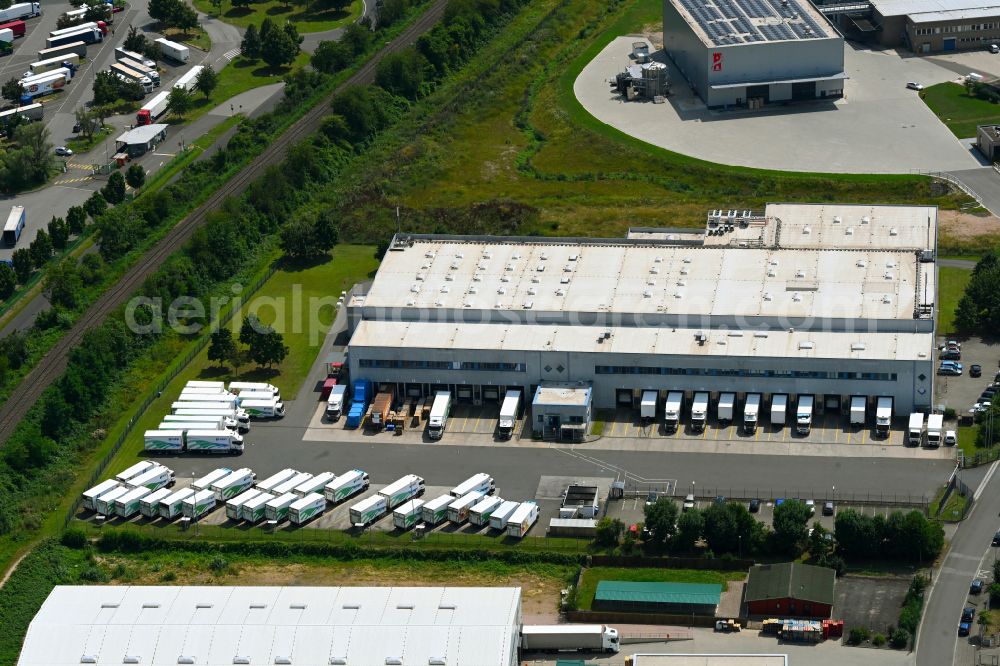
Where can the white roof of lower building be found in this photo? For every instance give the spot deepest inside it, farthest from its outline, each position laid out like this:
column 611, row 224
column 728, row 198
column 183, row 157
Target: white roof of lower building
column 215, row 626
column 927, row 11
column 143, row 134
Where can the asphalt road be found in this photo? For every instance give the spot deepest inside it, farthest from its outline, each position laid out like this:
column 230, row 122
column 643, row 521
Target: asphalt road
column 937, row 639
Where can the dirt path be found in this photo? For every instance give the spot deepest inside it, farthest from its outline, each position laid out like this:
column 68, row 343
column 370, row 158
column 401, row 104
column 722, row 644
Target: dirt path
column 966, row 227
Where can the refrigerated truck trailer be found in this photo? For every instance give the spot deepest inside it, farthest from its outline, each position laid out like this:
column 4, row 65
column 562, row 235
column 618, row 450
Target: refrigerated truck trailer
column 672, row 411
column 368, row 510
column 49, row 64
column 154, row 478
column 498, row 519
column 193, row 383
column 509, row 410
column 215, row 422
column 206, row 481
column 858, row 407
column 804, row 414
column 91, row 25
column 256, row 387
column 440, row 409
column 883, row 416
column 263, row 409
column 481, row 482
column 30, row 112
column 135, row 470
column 193, row 441
column 519, row 522
column 34, row 87
column 304, row 509
column 149, row 506
column 289, row 484
column 173, row 50
column 335, row 402
column 915, row 430
column 277, row 509
column 571, row 637
column 197, row 505
column 346, row 485
column 14, row 226
column 124, row 54
column 216, row 400
column 726, row 407
column 233, row 484
column 699, row 411
column 90, row 496
column 407, row 514
column 435, row 511
column 206, row 390
column 480, row 512
column 191, row 424
column 647, row 406
column 127, row 505
column 105, row 503
column 85, row 35
column 18, row 28
column 276, row 479
column 315, row 484
column 189, row 78
column 21, row 11
column 79, row 48
column 751, row 412
column 402, row 489
column 458, row 510
column 172, row 506
column 779, row 409
column 205, row 409
column 235, row 505
column 253, row 510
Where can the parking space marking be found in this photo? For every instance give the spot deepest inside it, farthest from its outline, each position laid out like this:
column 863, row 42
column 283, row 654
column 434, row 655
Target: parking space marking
column 864, row 431
column 475, row 427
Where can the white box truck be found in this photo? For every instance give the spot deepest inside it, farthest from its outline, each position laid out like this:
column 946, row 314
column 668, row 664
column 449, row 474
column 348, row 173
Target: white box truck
column 458, row 510
column 213, row 441
column 289, row 484
column 573, row 637
column 522, row 519
column 751, row 411
column 368, row 510
column 253, row 510
column 935, row 429
column 699, row 411
column 173, row 50
column 915, row 431
column 206, row 390
column 672, row 411
column 21, row 10
column 509, row 410
column 192, row 383
column 90, row 496
column 498, row 519
column 257, row 387
column 206, row 481
column 407, row 514
column 480, row 512
column 163, row 441
column 135, row 470
column 435, row 511
column 189, row 78
column 883, row 416
column 647, row 407
column 154, row 478
column 127, row 505
column 335, row 402
column 301, row 511
column 105, row 503
column 263, row 396
column 172, row 505
column 230, row 416
column 779, row 409
column 315, row 484
column 438, row 419
column 227, row 406
column 859, row 404
column 346, row 485
column 402, row 489
column 215, row 399
column 276, row 479
column 149, row 506
column 121, row 54
column 198, row 505
column 233, row 484
column 277, row 509
column 804, row 414
column 727, row 406
column 234, row 506
column 263, row 409
column 204, row 421
column 481, row 482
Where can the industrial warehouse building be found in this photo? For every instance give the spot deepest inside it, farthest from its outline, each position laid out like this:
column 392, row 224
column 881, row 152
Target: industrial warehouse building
column 677, row 598
column 790, row 589
column 356, row 626
column 935, row 26
column 753, row 52
column 828, row 300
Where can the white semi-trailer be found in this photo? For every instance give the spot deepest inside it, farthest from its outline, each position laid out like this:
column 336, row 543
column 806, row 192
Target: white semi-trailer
column 481, row 482
column 509, row 410
column 215, row 399
column 407, row 514
column 935, row 429
column 883, row 416
column 699, row 411
column 198, row 505
column 154, row 478
column 288, row 485
column 90, row 496
column 479, row 514
column 858, row 407
column 253, row 510
column 233, row 484
column 498, row 519
column 263, row 409
column 193, row 383
column 257, row 387
column 276, row 479
column 217, row 405
column 522, row 519
column 189, row 78
column 574, row 637
column 121, row 54
column 149, row 506
column 915, row 431
column 751, row 412
column 346, row 485
column 779, row 409
column 127, row 505
column 206, row 481
column 804, row 415
column 173, row 50
column 368, row 510
column 647, row 406
column 135, row 470
column 458, row 510
column 672, row 411
column 314, row 485
column 402, row 489
column 172, row 506
column 440, row 409
column 163, row 441
column 234, row 506
column 213, row 441
column 435, row 511
column 206, row 390
column 191, row 424
column 306, row 508
column 335, row 402
column 230, row 417
column 277, row 509
column 727, row 406
column 105, row 503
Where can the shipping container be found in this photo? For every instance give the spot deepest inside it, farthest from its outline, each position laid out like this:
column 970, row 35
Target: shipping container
column 90, row 496
column 498, row 519
column 149, row 506
column 306, row 508
column 253, row 511
column 481, row 482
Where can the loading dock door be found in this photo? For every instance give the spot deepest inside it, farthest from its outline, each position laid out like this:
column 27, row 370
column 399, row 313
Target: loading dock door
column 763, row 92
column 804, row 90
column 949, row 43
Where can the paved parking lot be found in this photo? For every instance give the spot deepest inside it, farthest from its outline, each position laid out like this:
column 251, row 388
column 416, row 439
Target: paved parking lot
column 962, row 392
column 869, row 601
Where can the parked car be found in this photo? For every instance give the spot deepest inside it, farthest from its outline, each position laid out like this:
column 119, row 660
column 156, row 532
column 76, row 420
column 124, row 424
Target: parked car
column 913, row 85
column 651, row 498
column 975, row 370
column 963, row 629
column 951, row 355
column 950, row 438
column 688, row 502
column 994, row 48
column 949, row 370
column 812, row 507
column 976, row 587
column 996, row 538
column 968, row 613
column 63, row 151
column 720, row 499
column 827, row 508
column 980, row 407
column 754, row 505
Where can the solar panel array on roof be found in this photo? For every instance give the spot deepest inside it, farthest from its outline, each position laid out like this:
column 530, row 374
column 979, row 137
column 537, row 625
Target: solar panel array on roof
column 733, row 21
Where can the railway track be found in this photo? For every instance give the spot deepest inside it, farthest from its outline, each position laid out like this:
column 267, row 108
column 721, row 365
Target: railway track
column 53, row 364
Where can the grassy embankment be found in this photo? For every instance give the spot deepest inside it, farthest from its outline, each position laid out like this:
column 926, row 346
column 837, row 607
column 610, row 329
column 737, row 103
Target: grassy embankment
column 957, row 110
column 952, row 282
column 317, row 16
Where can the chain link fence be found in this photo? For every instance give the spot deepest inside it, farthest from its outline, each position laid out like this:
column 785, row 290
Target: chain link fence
column 830, row 494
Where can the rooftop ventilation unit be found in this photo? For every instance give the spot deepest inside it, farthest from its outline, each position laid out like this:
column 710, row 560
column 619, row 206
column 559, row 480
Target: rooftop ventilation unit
column 849, row 231
column 678, row 294
column 439, row 303
column 445, row 289
column 686, row 260
column 449, row 278
column 857, row 346
column 528, row 304
column 540, row 268
column 204, row 604
column 258, row 606
column 567, row 268
column 658, row 260
column 393, row 661
column 532, row 291
column 574, row 257
column 282, row 660
column 651, row 282
column 534, row 279
column 112, row 604
column 468, row 304
column 806, row 230
column 796, row 297
column 560, row 292
column 888, row 275
column 861, row 263
column 773, row 262
column 544, row 256
column 297, row 606
column 866, row 220
column 806, row 344
column 241, row 660
column 410, row 302
column 504, row 278
column 436, row 661
column 476, row 277
column 516, row 255
column 893, row 231
column 473, row 289
column 483, row 265
column 837, row 219
column 655, row 270
column 88, row 659
column 509, row 267
column 685, row 270
column 564, row 280
column 186, row 659
column 351, row 606
column 404, row 606
column 454, row 265
column 130, row 659
column 415, row 289
column 735, row 334
column 487, row 253
column 760, row 334
column 771, row 272
column 767, row 296
column 424, row 266
column 799, row 273
column 151, row 604
column 430, row 254
column 338, row 661
column 647, row 294
column 682, row 283
column 886, row 299
column 891, row 263
column 447, row 606
column 420, row 277
column 460, row 255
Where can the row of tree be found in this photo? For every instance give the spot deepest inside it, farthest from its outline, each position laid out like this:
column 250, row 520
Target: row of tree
column 277, row 46
column 264, row 345
column 173, row 14
column 978, row 310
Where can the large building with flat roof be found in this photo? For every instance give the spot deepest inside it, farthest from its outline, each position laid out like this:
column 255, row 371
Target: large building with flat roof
column 353, row 626
column 820, row 299
column 752, row 52
column 935, row 26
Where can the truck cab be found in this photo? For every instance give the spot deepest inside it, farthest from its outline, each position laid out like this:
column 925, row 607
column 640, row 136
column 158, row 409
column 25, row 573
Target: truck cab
column 672, row 411
column 915, row 431
column 803, row 415
column 440, row 409
column 883, row 416
column 699, row 411
column 751, row 410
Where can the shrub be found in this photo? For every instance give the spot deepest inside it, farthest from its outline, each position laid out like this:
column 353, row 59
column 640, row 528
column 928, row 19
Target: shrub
column 74, row 538
column 899, row 638
column 218, row 564
column 858, row 635
column 168, row 577
column 878, row 640
column 93, row 575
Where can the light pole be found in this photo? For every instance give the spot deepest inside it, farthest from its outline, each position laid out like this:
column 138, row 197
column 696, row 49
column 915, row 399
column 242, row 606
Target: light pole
column 834, row 498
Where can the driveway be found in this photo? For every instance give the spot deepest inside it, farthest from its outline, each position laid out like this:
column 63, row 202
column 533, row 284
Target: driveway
column 853, row 135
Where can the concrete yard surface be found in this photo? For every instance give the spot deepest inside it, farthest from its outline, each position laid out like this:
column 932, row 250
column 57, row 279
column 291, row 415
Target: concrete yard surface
column 869, row 601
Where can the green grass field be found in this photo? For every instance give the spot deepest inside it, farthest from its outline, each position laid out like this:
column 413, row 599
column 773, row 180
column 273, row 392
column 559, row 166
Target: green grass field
column 196, row 37
column 317, row 16
column 240, row 76
column 952, row 282
column 590, row 578
column 959, row 112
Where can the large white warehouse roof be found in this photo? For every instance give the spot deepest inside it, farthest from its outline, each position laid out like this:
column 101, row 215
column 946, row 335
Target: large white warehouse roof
column 312, row 626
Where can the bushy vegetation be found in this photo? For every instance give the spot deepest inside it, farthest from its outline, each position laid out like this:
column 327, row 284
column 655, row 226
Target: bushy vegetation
column 909, row 616
column 27, row 160
column 978, row 311
column 902, row 537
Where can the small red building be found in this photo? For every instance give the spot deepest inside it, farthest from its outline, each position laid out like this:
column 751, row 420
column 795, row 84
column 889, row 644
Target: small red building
column 790, row 589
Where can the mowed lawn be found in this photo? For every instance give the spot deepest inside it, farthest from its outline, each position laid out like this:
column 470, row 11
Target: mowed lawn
column 590, row 578
column 317, row 16
column 959, row 112
column 950, row 290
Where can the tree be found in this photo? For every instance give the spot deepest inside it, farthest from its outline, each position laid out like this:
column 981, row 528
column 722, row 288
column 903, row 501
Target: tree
column 114, row 190
column 251, row 329
column 277, row 48
column 268, row 348
column 325, row 232
column 11, row 90
column 59, row 232
column 63, row 284
column 250, row 46
column 217, row 5
column 105, row 88
column 41, row 249
column 207, row 81
column 298, row 239
column 135, row 176
column 134, row 40
column 8, row 280
column 179, row 102
column 95, row 205
column 789, row 524
column 401, row 73
column 163, row 11
column 184, row 17
column 661, row 520
column 330, row 57
column 222, row 347
column 96, row 12
column 87, row 122
column 820, row 541
column 690, row 526
column 977, row 310
column 858, row 536
column 35, row 154
column 23, row 264
column 608, row 532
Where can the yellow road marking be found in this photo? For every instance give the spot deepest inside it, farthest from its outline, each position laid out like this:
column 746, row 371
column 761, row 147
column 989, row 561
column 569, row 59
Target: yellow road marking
column 863, row 433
